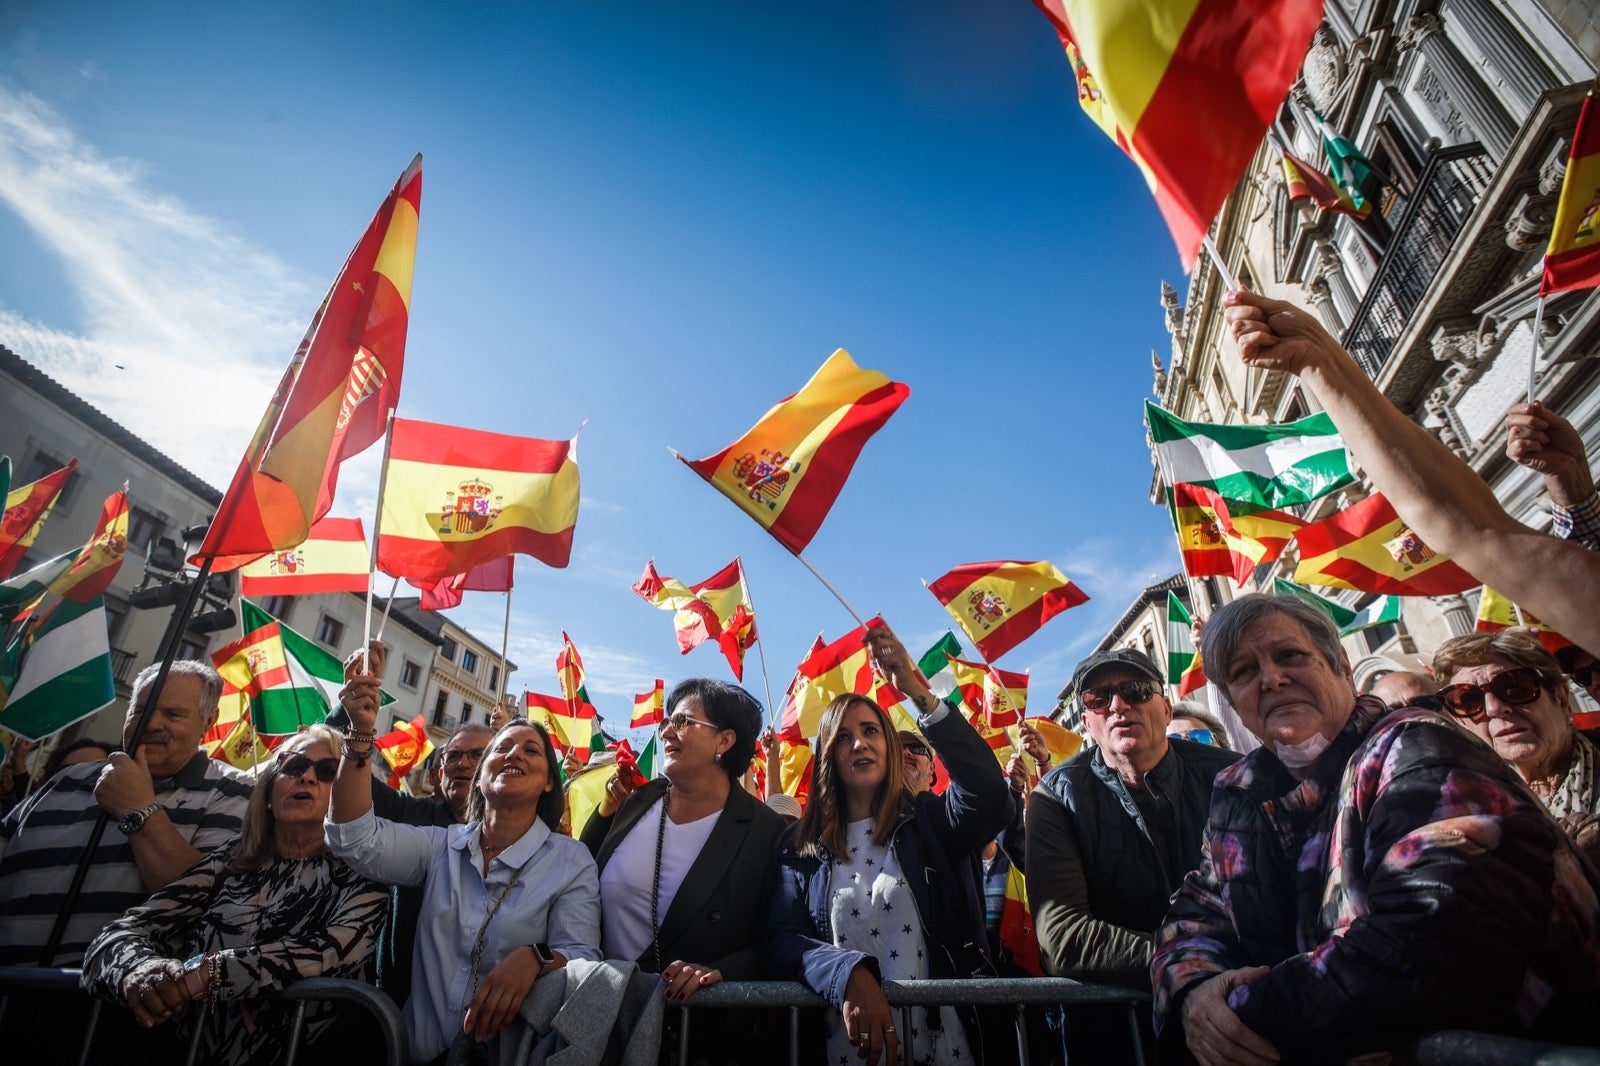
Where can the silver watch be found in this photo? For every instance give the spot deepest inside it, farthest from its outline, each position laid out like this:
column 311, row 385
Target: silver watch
column 133, row 821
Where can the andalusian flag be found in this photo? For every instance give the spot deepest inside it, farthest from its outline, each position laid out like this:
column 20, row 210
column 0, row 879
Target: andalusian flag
column 1184, row 668
column 1350, row 168
column 26, row 508
column 97, row 563
column 649, row 707
column 332, row 558
column 834, row 670
column 65, row 673
column 1000, row 604
column 454, row 498
column 496, row 575
column 1158, row 64
column 788, row 469
column 334, row 398
column 572, row 725
column 1269, row 466
column 1306, row 182
column 1572, row 259
column 1497, row 612
column 405, row 748
column 1368, row 547
column 717, row 608
column 1227, row 537
column 935, row 666
column 21, row 593
column 1384, row 610
column 999, row 696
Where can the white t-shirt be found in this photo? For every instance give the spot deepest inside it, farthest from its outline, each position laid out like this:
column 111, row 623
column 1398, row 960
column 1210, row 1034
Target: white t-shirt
column 625, row 882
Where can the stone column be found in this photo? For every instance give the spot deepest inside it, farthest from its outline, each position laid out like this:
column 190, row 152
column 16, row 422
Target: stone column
column 1458, row 85
column 1524, row 73
column 1457, row 615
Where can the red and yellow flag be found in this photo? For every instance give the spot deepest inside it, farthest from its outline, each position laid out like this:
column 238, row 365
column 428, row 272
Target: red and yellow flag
column 332, row 558
column 496, row 575
column 1370, row 548
column 1306, row 182
column 795, row 759
column 1572, row 260
column 456, row 498
column 97, row 564
column 334, row 398
column 1158, row 64
column 1000, row 604
column 1497, row 612
column 717, row 608
column 26, row 508
column 239, row 744
column 405, row 748
column 788, row 469
column 1227, row 537
column 1000, row 696
column 572, row 724
column 833, row 670
column 649, row 708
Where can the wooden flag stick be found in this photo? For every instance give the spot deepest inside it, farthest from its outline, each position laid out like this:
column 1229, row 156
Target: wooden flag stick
column 372, row 554
column 744, row 580
column 831, row 589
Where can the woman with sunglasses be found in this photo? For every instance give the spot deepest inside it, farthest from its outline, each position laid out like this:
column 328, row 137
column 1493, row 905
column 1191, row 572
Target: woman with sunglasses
column 505, row 897
column 686, row 859
column 1509, row 690
column 1368, row 876
column 876, row 883
column 248, row 920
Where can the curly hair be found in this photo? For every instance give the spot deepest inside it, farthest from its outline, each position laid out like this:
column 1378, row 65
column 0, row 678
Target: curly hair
column 821, row 831
column 1509, row 647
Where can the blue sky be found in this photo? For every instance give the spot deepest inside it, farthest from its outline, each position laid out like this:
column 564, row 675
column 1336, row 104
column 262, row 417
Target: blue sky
column 659, row 218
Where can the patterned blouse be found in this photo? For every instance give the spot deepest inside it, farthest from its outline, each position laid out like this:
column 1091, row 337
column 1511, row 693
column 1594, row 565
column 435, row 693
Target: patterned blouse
column 288, row 920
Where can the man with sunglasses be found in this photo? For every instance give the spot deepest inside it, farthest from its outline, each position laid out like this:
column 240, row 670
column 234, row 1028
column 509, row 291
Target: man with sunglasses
column 1582, row 668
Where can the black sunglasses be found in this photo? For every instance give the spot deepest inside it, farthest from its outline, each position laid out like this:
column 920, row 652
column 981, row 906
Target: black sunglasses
column 1138, row 691
column 1515, row 687
column 296, row 764
column 918, row 749
column 1584, row 675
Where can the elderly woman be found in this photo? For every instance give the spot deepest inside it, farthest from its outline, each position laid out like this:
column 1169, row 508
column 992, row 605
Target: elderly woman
column 248, row 920
column 876, row 883
column 1369, row 875
column 505, row 898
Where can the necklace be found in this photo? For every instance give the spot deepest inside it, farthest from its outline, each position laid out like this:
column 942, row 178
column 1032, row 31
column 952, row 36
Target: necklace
column 655, row 887
column 488, row 848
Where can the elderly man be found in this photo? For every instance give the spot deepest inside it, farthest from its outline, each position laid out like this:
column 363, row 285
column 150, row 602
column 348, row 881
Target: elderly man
column 1407, row 688
column 168, row 802
column 1112, row 831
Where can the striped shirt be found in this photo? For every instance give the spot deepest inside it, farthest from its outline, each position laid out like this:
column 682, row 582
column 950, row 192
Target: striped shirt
column 41, row 841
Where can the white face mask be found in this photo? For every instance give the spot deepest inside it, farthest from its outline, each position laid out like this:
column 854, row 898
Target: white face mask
column 1299, row 756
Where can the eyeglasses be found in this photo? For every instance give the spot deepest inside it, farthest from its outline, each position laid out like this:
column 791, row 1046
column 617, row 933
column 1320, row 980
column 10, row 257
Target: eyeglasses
column 918, row 749
column 1585, row 675
column 1515, row 687
column 1099, row 697
column 296, row 765
column 683, row 720
column 1199, row 736
column 455, row 755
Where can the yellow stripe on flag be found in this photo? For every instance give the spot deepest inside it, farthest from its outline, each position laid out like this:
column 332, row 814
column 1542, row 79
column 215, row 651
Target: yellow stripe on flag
column 416, row 494
column 1134, row 38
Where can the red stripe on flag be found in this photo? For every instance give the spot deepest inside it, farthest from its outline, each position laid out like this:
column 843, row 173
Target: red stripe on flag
column 412, row 555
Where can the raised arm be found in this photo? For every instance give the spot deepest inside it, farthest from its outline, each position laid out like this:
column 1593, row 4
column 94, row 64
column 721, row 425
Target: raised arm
column 1443, row 500
column 352, row 789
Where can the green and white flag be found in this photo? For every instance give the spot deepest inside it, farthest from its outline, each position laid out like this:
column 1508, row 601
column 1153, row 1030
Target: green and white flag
column 935, row 666
column 1271, row 466
column 17, row 593
column 65, row 674
column 1379, row 612
column 1349, row 167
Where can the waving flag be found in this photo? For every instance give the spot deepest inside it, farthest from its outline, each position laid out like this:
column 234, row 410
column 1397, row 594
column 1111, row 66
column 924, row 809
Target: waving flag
column 97, row 564
column 1497, row 612
column 65, row 672
column 1306, row 182
column 1184, row 669
column 788, row 469
column 332, row 558
column 717, row 608
column 1000, row 696
column 1350, row 168
column 240, row 745
column 1157, row 64
column 1370, row 548
column 405, row 748
column 1269, row 466
column 789, row 714
column 1382, row 611
column 1227, row 537
column 649, row 707
column 26, row 508
column 836, row 669
column 334, row 398
column 1000, row 604
column 20, row 594
column 573, row 724
column 496, row 575
column 456, row 498
column 1572, row 259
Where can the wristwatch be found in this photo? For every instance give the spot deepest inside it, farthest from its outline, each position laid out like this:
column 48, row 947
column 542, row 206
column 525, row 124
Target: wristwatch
column 133, row 821
column 541, row 951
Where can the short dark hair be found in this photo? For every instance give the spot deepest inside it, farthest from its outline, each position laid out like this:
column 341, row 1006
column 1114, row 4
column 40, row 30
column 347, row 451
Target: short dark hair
column 728, row 707
column 1225, row 629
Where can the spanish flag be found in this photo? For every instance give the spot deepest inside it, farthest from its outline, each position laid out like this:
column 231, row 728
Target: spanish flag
column 834, row 670
column 1161, row 68
column 456, row 498
column 240, row 744
column 496, row 575
column 572, row 725
column 649, row 707
column 332, row 558
column 334, row 398
column 97, row 564
column 1572, row 260
column 1369, row 548
column 1306, row 182
column 26, row 508
column 405, row 748
column 717, row 608
column 794, row 759
column 1497, row 612
column 788, row 469
column 1000, row 604
column 1250, row 535
column 1000, row 696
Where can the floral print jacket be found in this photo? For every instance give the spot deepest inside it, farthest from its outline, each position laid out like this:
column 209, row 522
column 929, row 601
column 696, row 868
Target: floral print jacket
column 1411, row 883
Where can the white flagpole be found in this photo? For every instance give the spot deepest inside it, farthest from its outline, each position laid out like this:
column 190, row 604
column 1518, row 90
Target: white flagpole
column 830, row 588
column 383, row 623
column 372, row 553
column 1533, row 352
column 505, row 643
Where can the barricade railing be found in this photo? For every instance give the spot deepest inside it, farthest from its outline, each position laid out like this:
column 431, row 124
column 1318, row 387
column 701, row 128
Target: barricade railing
column 64, row 983
column 1455, row 1047
column 1018, row 993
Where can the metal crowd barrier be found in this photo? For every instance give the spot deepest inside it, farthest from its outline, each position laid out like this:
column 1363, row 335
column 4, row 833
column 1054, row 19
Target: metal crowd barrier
column 1455, row 1047
column 396, row 1049
column 1017, row 993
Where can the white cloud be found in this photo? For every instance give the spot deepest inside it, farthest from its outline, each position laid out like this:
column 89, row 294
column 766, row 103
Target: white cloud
column 185, row 327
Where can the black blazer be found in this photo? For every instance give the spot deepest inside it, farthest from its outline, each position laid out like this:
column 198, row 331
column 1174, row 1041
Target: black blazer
column 719, row 916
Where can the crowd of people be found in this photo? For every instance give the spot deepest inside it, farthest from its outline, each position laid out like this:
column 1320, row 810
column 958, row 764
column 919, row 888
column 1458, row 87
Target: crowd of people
column 1383, row 864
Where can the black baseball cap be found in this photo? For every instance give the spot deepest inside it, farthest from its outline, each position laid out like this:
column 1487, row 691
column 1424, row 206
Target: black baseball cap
column 1130, row 658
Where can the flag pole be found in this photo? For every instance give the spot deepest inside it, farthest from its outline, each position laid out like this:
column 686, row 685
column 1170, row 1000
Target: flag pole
column 383, row 623
column 744, row 580
column 372, row 553
column 505, row 643
column 1533, row 352
column 830, row 588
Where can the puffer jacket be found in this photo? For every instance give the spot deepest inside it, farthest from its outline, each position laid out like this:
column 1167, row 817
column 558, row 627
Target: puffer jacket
column 1411, row 883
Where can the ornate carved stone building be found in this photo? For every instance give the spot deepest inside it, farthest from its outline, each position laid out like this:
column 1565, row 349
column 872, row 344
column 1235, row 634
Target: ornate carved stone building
column 1467, row 108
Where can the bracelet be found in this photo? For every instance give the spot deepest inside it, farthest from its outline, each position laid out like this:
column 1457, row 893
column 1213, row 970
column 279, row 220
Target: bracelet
column 357, row 734
column 213, row 974
column 360, row 756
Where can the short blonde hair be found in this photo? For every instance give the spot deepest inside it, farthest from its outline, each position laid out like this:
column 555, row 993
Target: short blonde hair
column 255, row 848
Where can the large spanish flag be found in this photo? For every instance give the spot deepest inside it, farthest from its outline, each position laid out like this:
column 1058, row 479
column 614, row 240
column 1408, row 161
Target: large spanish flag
column 26, row 508
column 1370, row 548
column 334, row 398
column 97, row 564
column 572, row 725
column 717, row 608
column 837, row 669
column 1000, row 604
column 1497, row 612
column 1572, row 260
column 788, row 469
column 332, row 558
column 1187, row 88
column 1000, row 696
column 455, row 498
